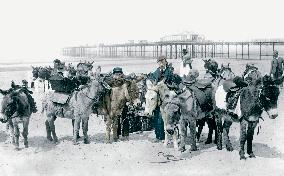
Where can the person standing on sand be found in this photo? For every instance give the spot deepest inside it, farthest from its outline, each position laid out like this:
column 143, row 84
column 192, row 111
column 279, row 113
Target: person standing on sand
column 164, row 71
column 277, row 63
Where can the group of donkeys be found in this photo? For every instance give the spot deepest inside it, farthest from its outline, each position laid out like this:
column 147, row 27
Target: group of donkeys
column 77, row 105
column 219, row 99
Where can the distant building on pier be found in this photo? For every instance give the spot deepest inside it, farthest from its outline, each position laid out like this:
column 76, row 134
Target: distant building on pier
column 185, row 36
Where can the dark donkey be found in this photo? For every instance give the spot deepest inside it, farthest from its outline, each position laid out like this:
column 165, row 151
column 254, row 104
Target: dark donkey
column 15, row 109
column 217, row 77
column 261, row 94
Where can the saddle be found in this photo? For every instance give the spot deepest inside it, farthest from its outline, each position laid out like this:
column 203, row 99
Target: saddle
column 60, row 98
column 203, row 93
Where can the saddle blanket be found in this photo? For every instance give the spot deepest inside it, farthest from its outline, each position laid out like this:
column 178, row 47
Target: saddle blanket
column 60, row 98
column 220, row 99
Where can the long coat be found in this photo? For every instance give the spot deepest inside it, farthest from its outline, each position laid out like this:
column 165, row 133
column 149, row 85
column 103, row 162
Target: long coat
column 277, row 67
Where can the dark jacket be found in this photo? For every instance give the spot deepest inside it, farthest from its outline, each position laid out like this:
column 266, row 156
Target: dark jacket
column 277, row 66
column 171, row 79
column 159, row 74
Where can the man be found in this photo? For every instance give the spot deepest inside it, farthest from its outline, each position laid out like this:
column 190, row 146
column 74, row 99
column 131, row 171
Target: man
column 165, row 71
column 29, row 96
column 186, row 58
column 277, row 63
column 117, row 79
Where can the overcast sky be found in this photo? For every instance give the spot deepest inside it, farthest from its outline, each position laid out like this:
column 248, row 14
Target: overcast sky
column 37, row 29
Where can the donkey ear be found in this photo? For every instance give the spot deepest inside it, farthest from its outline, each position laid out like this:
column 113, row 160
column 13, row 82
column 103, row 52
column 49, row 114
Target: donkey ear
column 4, row 92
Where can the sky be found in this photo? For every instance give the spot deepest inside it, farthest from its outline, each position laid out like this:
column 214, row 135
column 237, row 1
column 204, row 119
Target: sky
column 39, row 29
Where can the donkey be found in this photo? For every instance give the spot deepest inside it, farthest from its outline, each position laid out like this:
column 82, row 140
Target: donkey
column 15, row 109
column 182, row 110
column 113, row 104
column 79, row 107
column 261, row 95
column 156, row 96
column 217, row 76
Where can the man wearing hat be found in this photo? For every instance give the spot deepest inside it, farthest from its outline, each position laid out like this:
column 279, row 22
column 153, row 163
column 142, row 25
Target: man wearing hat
column 117, row 79
column 277, row 64
column 186, row 58
column 29, row 96
column 164, row 71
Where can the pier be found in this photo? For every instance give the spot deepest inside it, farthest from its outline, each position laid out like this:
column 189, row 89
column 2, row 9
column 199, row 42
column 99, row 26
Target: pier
column 173, row 49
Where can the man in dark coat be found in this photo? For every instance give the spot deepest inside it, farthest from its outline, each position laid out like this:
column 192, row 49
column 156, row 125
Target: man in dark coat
column 164, row 71
column 277, row 64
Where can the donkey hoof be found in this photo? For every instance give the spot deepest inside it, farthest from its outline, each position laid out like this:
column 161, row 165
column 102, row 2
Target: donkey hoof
column 251, row 155
column 107, row 142
column 115, row 139
column 242, row 157
column 26, row 145
column 193, row 148
column 75, row 142
column 49, row 138
column 208, row 141
column 182, row 149
column 55, row 140
column 229, row 148
column 86, row 141
column 17, row 148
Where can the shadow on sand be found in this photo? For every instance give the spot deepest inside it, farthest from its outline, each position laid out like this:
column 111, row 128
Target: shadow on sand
column 96, row 138
column 260, row 150
column 3, row 136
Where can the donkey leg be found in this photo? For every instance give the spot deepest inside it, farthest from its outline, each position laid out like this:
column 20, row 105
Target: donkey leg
column 210, row 123
column 192, row 126
column 215, row 130
column 200, row 123
column 85, row 130
column 250, row 133
column 73, row 121
column 16, row 135
column 175, row 139
column 219, row 131
column 76, row 129
column 115, row 128
column 26, row 132
column 227, row 124
column 11, row 128
column 48, row 131
column 166, row 141
column 52, row 128
column 108, row 129
column 183, row 131
column 243, row 138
